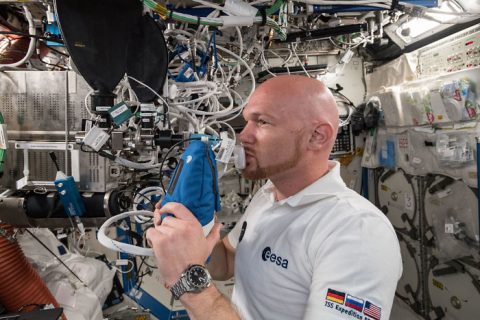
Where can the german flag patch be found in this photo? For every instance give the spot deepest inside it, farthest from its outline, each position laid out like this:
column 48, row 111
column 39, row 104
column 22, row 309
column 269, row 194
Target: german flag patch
column 335, row 296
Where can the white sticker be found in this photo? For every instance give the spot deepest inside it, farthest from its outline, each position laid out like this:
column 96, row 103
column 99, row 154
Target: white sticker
column 3, row 136
column 61, row 236
column 188, row 73
column 88, row 125
column 148, row 107
column 102, row 108
column 115, row 113
column 145, row 120
column 41, row 145
column 226, row 150
column 408, row 201
column 416, row 160
column 448, row 228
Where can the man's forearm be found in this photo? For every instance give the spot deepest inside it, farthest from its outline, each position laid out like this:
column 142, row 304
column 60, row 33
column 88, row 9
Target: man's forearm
column 209, row 304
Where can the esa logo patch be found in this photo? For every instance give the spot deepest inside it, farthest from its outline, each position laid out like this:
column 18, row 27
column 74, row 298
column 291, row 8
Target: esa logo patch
column 352, row 306
column 268, row 256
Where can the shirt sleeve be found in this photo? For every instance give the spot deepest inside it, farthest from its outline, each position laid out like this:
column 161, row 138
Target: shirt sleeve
column 355, row 271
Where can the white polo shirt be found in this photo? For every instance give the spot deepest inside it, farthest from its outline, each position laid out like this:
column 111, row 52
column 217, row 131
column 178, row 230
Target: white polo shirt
column 324, row 253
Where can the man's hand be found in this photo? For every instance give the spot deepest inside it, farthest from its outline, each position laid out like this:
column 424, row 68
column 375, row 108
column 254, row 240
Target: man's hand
column 179, row 241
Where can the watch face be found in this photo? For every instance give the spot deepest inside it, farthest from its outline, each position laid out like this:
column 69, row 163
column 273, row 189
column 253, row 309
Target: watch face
column 198, row 276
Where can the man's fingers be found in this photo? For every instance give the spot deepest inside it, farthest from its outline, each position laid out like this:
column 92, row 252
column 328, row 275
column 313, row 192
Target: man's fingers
column 151, row 236
column 178, row 210
column 157, row 220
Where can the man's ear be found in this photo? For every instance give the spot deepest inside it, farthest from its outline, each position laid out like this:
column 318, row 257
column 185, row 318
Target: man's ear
column 321, row 136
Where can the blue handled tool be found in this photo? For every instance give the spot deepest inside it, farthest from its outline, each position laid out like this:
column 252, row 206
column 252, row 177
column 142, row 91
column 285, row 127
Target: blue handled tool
column 69, row 195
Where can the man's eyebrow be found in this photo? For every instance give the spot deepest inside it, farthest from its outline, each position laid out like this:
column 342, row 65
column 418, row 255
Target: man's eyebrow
column 261, row 114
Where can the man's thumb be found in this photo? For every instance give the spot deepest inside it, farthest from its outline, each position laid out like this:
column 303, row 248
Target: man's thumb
column 214, row 236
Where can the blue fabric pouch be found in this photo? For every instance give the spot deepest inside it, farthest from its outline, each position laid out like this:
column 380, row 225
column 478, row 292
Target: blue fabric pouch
column 195, row 184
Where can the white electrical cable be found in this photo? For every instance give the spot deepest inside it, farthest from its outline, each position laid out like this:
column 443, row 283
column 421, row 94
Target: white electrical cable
column 240, row 109
column 31, row 46
column 120, row 246
column 190, row 87
column 301, row 64
column 379, row 4
column 247, row 67
column 146, row 86
column 89, row 111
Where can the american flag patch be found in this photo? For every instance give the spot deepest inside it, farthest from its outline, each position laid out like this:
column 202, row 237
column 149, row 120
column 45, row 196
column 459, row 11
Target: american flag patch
column 372, row 310
column 354, row 303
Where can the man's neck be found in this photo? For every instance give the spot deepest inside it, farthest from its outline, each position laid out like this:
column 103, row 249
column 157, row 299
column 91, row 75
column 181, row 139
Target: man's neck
column 289, row 183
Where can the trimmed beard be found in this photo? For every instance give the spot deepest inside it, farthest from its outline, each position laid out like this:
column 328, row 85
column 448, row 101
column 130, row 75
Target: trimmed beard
column 265, row 173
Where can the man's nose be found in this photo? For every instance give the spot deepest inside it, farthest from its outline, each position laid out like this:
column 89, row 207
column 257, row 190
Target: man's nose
column 246, row 135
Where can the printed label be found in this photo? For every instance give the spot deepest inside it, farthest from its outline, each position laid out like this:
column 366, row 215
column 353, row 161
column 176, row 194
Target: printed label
column 226, row 150
column 115, row 113
column 88, row 125
column 40, row 146
column 188, row 73
column 147, row 107
column 448, row 228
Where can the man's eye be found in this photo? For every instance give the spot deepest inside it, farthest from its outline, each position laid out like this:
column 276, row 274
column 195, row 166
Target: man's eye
column 261, row 122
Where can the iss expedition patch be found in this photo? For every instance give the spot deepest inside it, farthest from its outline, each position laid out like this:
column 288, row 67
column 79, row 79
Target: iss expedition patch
column 349, row 305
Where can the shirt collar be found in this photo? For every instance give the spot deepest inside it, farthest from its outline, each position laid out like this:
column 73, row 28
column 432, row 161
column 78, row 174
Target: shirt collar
column 329, row 185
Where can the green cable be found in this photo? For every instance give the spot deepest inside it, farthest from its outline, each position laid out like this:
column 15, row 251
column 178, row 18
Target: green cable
column 3, row 152
column 275, row 7
column 194, row 20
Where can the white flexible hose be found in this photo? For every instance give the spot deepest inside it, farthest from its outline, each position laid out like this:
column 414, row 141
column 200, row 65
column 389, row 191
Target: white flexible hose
column 120, row 246
column 135, row 165
column 31, row 47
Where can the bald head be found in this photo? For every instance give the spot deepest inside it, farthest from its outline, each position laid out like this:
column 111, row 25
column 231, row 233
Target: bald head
column 304, row 101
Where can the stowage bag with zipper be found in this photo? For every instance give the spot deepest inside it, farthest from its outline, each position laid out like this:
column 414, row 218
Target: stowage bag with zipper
column 195, row 184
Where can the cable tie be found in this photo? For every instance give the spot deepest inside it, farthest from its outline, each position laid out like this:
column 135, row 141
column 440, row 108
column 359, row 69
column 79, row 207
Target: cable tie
column 198, row 21
column 263, row 12
column 170, row 15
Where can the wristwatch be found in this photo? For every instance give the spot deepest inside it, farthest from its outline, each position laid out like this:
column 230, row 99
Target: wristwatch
column 195, row 279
